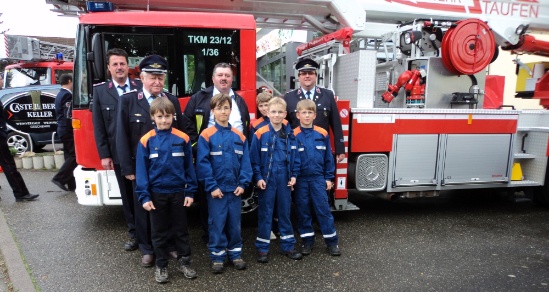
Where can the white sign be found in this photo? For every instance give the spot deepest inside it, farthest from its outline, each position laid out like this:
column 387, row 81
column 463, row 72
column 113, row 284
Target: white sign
column 276, row 38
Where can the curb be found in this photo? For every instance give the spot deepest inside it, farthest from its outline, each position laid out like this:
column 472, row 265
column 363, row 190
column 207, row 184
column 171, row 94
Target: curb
column 17, row 270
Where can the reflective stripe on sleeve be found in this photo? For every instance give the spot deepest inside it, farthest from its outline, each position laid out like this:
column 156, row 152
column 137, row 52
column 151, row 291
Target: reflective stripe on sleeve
column 154, row 155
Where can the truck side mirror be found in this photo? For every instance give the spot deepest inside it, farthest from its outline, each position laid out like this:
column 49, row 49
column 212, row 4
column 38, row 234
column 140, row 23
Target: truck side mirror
column 96, row 57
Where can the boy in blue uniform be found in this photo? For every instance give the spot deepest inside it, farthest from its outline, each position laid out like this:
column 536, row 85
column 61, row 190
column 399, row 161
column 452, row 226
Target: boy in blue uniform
column 275, row 166
column 262, row 101
column 315, row 178
column 165, row 185
column 223, row 162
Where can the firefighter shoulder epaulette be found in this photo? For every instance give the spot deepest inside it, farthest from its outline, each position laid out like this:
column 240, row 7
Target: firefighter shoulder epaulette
column 131, row 91
column 100, row 83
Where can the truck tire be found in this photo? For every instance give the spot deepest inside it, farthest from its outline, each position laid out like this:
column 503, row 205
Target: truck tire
column 19, row 141
column 249, row 199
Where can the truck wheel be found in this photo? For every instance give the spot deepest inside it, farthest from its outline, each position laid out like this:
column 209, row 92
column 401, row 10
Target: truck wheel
column 19, row 142
column 249, row 200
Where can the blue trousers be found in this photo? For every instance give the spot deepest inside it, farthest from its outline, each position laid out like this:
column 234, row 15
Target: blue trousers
column 312, row 192
column 276, row 195
column 224, row 227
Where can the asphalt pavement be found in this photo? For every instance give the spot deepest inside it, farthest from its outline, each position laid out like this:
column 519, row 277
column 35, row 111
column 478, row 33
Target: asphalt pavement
column 458, row 242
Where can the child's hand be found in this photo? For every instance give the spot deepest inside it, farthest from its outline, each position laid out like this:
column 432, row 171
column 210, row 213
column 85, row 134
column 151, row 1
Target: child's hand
column 291, row 183
column 329, row 185
column 130, row 177
column 239, row 191
column 149, row 206
column 261, row 184
column 217, row 194
column 188, row 202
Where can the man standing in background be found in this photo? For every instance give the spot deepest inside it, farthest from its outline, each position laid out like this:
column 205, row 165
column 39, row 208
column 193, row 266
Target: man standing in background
column 134, row 121
column 105, row 103
column 327, row 114
column 64, row 178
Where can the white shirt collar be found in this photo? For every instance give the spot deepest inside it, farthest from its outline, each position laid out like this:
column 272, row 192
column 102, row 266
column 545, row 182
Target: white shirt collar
column 215, row 91
column 312, row 91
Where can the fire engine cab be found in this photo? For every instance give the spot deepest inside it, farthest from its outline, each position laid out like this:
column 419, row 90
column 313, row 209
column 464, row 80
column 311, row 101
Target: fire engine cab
column 413, row 90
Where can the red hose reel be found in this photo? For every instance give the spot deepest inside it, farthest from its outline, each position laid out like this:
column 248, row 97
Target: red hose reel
column 468, row 47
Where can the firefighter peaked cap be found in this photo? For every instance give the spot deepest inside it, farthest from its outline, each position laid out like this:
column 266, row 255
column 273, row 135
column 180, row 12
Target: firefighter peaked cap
column 154, row 64
column 306, row 65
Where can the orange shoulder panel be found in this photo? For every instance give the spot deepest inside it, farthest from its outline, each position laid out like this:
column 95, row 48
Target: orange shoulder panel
column 146, row 137
column 180, row 134
column 297, row 130
column 262, row 130
column 257, row 122
column 208, row 132
column 321, row 131
column 242, row 137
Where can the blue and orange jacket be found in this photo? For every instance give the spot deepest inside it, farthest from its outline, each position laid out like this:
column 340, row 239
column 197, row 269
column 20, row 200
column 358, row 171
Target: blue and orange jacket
column 262, row 149
column 223, row 159
column 164, row 164
column 256, row 125
column 315, row 152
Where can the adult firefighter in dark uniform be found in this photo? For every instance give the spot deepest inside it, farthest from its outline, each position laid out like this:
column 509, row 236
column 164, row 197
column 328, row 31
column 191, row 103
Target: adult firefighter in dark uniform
column 134, row 121
column 105, row 103
column 327, row 114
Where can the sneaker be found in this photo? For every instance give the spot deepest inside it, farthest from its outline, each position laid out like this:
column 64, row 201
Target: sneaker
column 333, row 250
column 217, row 267
column 293, row 254
column 306, row 249
column 273, row 236
column 161, row 275
column 184, row 266
column 239, row 264
column 262, row 257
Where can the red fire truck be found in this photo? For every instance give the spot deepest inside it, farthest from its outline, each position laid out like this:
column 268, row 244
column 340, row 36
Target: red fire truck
column 192, row 42
column 410, row 76
column 29, row 89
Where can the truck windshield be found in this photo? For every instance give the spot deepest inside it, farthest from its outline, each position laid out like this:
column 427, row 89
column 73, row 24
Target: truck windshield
column 191, row 53
column 19, row 77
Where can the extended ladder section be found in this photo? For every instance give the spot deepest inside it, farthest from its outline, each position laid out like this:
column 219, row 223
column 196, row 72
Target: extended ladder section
column 22, row 48
column 49, row 51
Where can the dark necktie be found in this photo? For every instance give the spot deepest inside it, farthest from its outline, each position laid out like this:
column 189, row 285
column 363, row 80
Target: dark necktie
column 123, row 87
column 308, row 95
